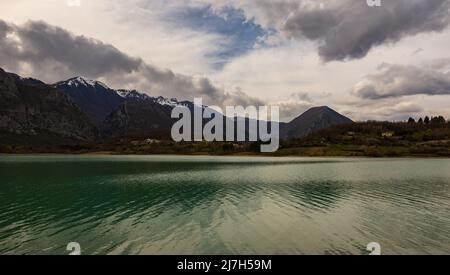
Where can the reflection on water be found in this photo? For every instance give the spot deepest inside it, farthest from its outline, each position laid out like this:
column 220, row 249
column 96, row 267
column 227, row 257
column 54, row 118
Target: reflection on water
column 223, row 205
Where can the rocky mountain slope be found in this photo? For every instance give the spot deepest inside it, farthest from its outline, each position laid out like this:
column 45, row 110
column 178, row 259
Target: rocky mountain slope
column 31, row 110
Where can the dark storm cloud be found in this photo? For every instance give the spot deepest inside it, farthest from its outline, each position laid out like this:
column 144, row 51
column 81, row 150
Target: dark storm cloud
column 349, row 29
column 8, row 46
column 39, row 43
column 400, row 80
column 4, row 28
column 52, row 53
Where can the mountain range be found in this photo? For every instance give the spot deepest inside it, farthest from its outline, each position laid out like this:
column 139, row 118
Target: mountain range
column 82, row 110
column 32, row 111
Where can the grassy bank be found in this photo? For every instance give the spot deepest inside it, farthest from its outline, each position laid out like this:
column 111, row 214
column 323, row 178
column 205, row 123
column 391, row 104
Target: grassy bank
column 368, row 139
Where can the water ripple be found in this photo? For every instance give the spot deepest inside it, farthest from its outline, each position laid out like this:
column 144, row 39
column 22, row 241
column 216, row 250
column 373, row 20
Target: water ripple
column 208, row 205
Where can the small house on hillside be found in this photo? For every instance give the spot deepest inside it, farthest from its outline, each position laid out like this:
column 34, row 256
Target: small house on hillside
column 388, row 134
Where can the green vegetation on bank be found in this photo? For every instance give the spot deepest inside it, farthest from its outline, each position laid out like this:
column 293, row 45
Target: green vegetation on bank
column 429, row 137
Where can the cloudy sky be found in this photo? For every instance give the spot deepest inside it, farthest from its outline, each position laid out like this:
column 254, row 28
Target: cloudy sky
column 387, row 62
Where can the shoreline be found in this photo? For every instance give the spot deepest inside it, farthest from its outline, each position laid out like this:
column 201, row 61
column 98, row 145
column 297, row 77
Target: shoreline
column 103, row 153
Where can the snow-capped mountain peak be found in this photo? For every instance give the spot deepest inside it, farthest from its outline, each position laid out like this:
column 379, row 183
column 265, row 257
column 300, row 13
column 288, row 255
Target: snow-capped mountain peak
column 165, row 101
column 84, row 82
column 133, row 94
column 98, row 100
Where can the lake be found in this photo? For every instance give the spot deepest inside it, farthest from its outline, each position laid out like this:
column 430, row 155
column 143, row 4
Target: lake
column 223, row 205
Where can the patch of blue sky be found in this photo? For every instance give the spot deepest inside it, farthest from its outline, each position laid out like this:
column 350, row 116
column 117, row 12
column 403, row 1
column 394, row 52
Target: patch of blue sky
column 240, row 34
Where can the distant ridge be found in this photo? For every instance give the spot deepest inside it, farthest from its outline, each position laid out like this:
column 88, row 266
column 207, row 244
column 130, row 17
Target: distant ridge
column 83, row 109
column 312, row 120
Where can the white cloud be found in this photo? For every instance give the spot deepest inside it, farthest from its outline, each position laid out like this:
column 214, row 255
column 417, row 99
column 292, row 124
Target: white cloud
column 134, row 27
column 271, row 74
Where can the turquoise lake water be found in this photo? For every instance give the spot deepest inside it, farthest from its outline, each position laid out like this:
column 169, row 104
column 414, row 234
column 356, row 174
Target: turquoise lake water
column 223, row 205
